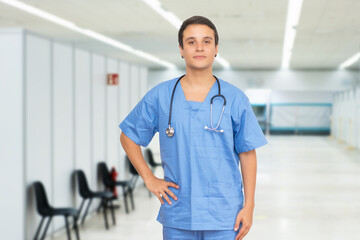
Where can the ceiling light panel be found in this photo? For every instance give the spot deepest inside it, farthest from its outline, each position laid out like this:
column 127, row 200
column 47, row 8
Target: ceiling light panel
column 292, row 20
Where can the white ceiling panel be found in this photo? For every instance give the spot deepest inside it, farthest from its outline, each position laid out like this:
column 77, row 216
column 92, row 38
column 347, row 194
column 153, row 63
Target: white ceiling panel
column 251, row 31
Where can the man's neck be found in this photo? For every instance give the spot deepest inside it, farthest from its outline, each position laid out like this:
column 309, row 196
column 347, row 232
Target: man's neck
column 200, row 77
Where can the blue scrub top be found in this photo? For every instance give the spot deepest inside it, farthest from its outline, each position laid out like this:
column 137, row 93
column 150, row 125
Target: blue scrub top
column 204, row 163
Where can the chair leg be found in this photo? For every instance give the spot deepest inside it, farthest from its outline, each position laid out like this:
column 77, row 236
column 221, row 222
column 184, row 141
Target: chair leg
column 125, row 199
column 86, row 211
column 105, row 214
column 76, row 228
column 46, row 228
column 81, row 206
column 67, row 228
column 39, row 228
column 131, row 198
column 112, row 212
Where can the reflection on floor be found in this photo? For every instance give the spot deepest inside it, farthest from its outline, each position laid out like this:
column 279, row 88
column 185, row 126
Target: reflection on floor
column 307, row 188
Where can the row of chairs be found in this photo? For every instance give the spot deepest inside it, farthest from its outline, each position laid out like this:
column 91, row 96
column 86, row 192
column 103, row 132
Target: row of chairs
column 106, row 197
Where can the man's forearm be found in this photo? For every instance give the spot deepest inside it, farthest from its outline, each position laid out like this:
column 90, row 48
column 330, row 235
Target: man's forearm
column 248, row 169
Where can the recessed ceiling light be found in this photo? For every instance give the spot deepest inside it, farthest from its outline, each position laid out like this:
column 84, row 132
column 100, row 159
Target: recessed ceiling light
column 350, row 61
column 292, row 20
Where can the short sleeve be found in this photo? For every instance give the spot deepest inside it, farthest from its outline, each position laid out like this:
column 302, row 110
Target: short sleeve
column 143, row 121
column 247, row 132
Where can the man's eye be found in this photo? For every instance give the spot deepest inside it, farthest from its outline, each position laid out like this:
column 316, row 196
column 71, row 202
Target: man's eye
column 191, row 42
column 207, row 42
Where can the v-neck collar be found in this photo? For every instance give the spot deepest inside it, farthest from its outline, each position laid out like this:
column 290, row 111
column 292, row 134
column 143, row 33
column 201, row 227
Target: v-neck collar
column 207, row 99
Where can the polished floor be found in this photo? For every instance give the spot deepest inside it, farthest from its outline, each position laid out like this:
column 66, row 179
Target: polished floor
column 307, row 188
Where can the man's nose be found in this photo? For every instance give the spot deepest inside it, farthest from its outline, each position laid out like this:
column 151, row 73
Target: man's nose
column 199, row 47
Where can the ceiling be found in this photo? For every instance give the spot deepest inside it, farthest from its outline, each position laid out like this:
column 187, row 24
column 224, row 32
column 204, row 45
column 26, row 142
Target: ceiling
column 251, row 31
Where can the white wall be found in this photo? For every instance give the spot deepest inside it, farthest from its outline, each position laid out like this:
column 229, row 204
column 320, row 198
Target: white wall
column 357, row 120
column 134, row 86
column 143, row 88
column 62, row 126
column 98, row 73
column 38, row 122
column 346, row 117
column 112, row 130
column 124, row 110
column 82, row 115
column 60, row 116
column 12, row 134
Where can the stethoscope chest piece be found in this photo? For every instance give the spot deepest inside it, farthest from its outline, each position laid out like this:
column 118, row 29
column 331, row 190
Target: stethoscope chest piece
column 170, row 131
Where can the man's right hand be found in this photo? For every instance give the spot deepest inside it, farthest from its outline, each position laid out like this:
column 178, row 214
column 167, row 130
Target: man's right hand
column 160, row 188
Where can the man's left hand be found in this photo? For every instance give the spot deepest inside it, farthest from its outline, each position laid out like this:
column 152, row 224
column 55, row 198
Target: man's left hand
column 245, row 217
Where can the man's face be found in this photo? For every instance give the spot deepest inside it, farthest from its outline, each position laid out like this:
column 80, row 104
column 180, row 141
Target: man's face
column 199, row 46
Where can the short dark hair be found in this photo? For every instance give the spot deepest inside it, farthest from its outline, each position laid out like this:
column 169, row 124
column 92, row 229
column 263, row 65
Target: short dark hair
column 196, row 20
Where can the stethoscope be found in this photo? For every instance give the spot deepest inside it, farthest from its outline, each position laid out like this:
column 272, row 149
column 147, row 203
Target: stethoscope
column 170, row 130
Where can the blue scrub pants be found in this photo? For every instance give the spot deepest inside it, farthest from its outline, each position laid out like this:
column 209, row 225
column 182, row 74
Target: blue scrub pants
column 181, row 234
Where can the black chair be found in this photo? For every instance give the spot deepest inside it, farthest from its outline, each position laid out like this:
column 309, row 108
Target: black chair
column 133, row 180
column 110, row 184
column 86, row 193
column 45, row 210
column 150, row 159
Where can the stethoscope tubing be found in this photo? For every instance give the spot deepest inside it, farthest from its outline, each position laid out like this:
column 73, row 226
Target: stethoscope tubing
column 170, row 130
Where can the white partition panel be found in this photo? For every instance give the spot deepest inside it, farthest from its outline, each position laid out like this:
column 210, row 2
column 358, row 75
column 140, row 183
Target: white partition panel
column 357, row 96
column 351, row 119
column 63, row 128
column 335, row 116
column 342, row 117
column 12, row 134
column 124, row 109
column 124, row 90
column 346, row 116
column 143, row 81
column 134, row 90
column 83, row 115
column 112, row 132
column 98, row 111
column 38, row 147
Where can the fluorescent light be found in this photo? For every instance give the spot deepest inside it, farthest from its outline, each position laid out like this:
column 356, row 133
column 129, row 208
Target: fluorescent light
column 70, row 25
column 293, row 15
column 222, row 61
column 176, row 22
column 169, row 16
column 350, row 61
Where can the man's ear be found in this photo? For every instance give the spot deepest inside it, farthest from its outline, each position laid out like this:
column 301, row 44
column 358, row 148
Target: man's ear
column 181, row 51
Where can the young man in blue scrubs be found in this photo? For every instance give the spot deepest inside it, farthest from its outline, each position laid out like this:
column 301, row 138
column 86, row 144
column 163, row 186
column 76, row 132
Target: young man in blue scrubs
column 203, row 194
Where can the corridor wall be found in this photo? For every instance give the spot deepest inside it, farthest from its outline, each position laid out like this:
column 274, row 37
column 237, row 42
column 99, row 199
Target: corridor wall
column 357, row 121
column 58, row 115
column 346, row 117
column 12, row 135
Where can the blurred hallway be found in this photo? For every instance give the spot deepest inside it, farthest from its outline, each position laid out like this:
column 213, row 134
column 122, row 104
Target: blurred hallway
column 308, row 188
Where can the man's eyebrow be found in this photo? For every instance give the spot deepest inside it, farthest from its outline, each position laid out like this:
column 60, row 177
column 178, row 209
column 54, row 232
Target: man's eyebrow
column 207, row 37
